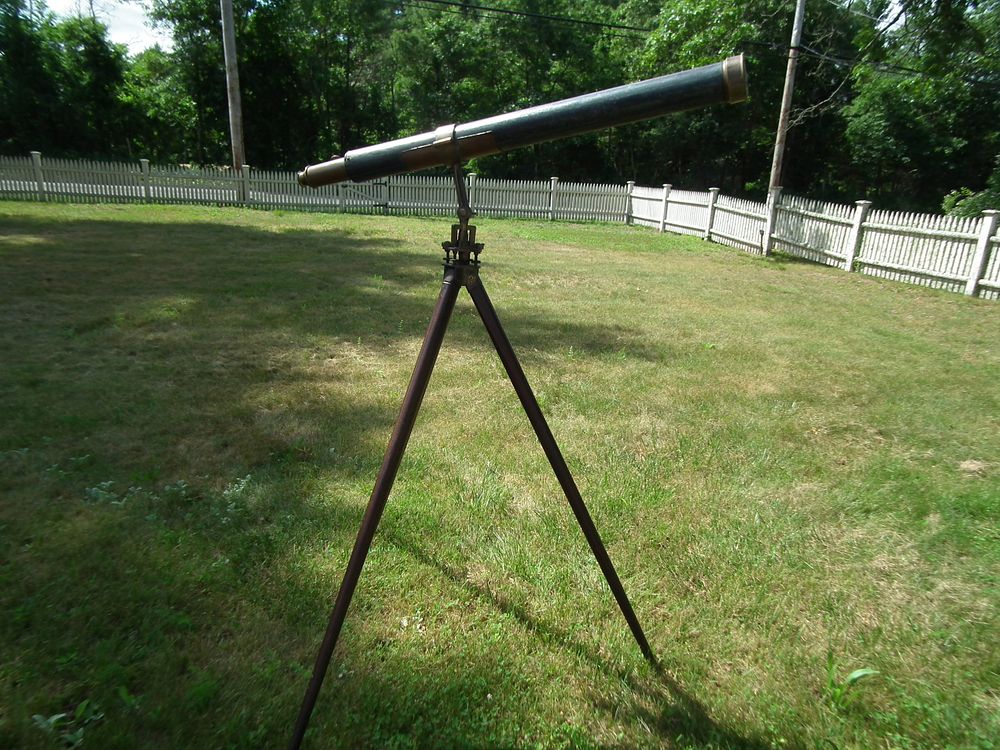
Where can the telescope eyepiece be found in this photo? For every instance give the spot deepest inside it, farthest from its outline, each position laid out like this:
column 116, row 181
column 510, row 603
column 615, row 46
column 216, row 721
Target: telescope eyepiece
column 327, row 173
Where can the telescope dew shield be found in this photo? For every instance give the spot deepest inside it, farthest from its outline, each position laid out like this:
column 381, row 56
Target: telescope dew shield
column 718, row 83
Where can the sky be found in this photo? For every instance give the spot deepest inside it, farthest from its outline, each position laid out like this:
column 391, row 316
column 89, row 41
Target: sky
column 126, row 21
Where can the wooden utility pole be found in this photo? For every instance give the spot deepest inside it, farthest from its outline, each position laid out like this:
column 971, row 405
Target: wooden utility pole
column 786, row 97
column 232, row 84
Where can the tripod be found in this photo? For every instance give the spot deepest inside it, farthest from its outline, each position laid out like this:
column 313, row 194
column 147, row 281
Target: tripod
column 461, row 269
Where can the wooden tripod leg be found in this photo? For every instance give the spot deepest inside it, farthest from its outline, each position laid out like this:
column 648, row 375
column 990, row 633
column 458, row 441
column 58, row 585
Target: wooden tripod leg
column 520, row 382
column 383, row 485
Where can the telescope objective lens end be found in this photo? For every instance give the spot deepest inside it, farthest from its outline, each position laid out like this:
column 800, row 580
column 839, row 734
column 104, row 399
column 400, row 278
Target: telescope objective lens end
column 734, row 75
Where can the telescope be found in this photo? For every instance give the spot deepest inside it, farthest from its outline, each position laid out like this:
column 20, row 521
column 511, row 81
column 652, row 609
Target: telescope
column 451, row 145
column 718, row 83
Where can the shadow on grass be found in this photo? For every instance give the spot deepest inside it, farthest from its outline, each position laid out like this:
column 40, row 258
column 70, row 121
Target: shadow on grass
column 780, row 260
column 163, row 307
column 660, row 701
column 320, row 282
column 136, row 350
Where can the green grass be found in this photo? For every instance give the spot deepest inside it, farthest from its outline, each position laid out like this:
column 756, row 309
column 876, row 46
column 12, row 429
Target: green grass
column 795, row 471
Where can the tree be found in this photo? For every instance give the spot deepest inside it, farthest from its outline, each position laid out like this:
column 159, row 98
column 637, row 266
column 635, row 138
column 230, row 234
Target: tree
column 91, row 73
column 197, row 55
column 59, row 84
column 462, row 66
column 162, row 116
column 896, row 101
column 29, row 80
column 925, row 118
column 730, row 147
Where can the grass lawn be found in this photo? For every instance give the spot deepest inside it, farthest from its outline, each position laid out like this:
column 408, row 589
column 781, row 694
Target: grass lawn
column 796, row 472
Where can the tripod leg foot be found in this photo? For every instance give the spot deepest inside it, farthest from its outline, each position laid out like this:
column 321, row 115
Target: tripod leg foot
column 383, row 485
column 520, row 382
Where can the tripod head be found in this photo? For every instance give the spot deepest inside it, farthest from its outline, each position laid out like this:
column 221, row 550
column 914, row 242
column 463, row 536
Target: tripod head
column 463, row 247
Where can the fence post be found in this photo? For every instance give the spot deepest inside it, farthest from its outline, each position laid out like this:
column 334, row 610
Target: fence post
column 36, row 165
column 472, row 190
column 713, row 196
column 663, row 212
column 773, row 199
column 339, row 189
column 553, row 184
column 987, row 227
column 854, row 238
column 629, row 187
column 385, row 195
column 245, row 184
column 144, row 169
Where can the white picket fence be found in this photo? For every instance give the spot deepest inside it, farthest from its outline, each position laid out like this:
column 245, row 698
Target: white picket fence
column 945, row 252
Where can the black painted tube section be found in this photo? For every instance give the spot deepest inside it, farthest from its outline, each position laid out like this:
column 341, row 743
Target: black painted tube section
column 718, row 83
column 383, row 486
column 520, row 382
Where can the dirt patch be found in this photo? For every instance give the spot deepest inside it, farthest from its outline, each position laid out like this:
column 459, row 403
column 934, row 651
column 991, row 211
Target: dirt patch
column 973, row 467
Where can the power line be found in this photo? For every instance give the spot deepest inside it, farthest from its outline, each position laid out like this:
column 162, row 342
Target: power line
column 891, row 67
column 849, row 9
column 437, row 8
column 844, row 62
column 861, row 58
column 542, row 16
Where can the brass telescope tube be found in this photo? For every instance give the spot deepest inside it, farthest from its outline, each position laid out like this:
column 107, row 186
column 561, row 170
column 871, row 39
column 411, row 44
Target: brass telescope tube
column 718, row 83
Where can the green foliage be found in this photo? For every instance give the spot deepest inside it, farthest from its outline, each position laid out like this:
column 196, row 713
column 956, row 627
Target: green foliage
column 59, row 85
column 162, row 113
column 29, row 92
column 894, row 102
column 92, row 72
column 731, row 147
column 841, row 693
column 70, row 730
column 479, row 64
column 906, row 131
column 965, row 202
column 926, row 124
